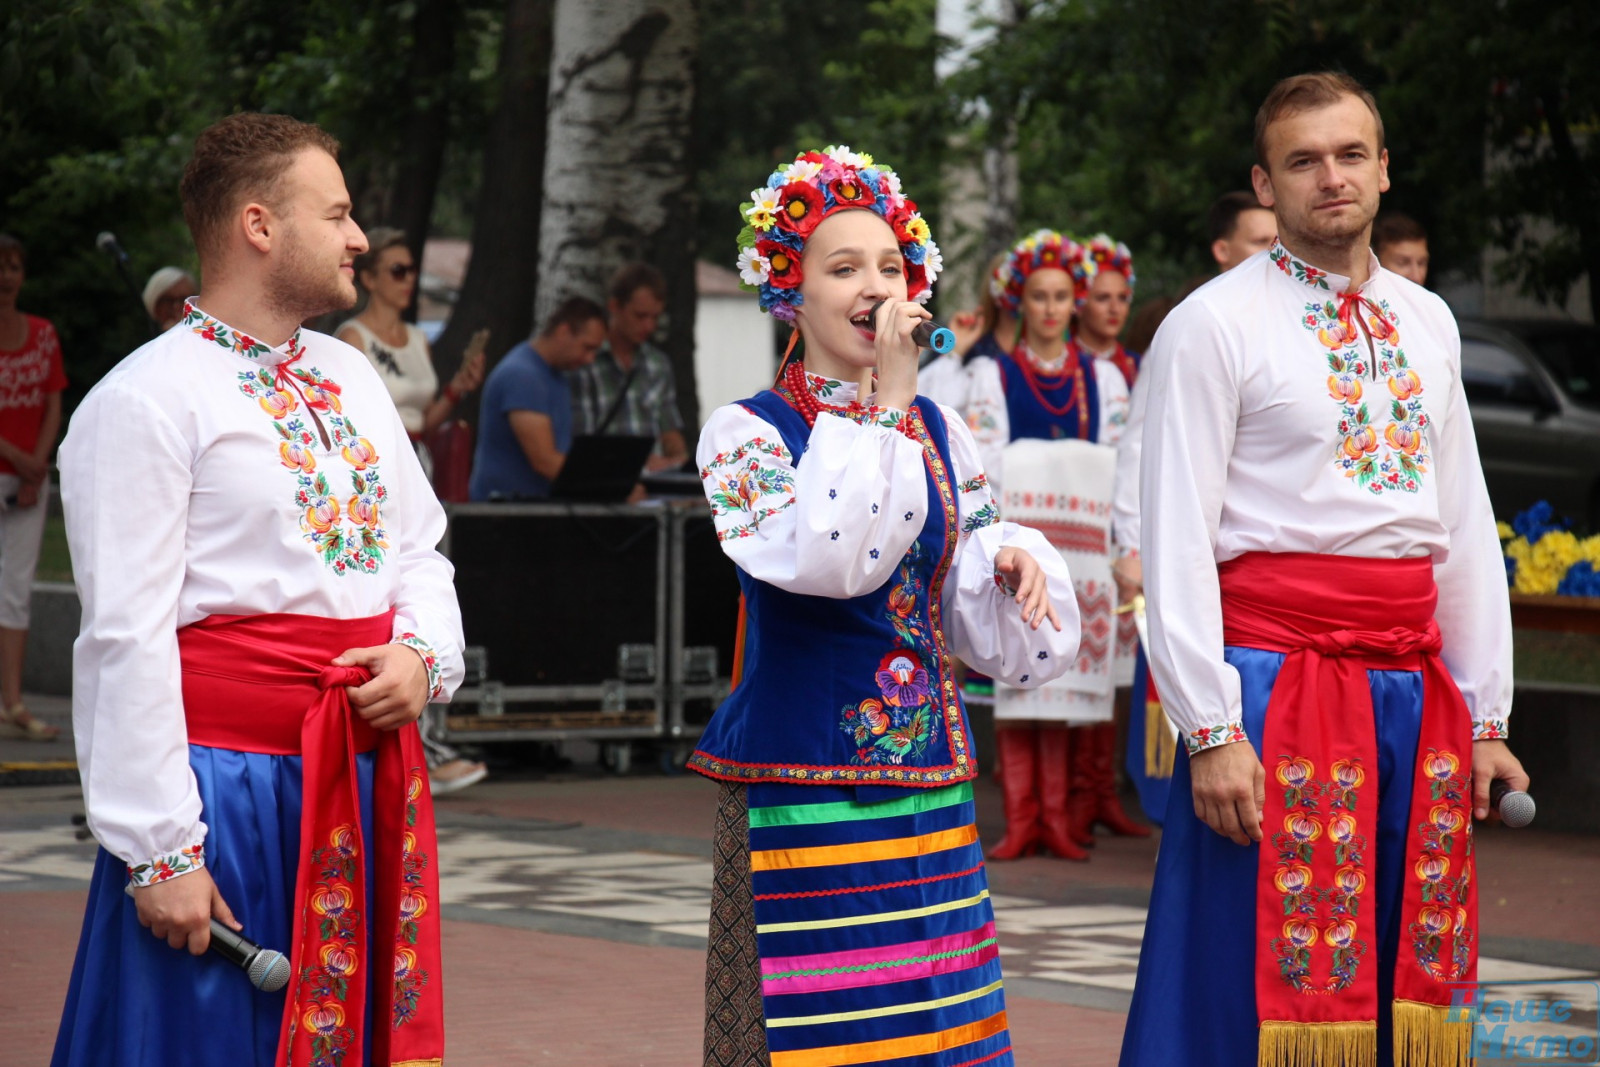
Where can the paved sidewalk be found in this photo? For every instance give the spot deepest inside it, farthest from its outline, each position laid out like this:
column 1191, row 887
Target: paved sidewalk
column 575, row 915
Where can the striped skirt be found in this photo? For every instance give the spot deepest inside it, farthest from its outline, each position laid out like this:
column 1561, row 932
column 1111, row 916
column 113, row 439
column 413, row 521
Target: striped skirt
column 851, row 933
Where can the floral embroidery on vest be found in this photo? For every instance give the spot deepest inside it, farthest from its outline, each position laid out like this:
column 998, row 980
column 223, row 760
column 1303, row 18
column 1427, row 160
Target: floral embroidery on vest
column 1382, row 443
column 899, row 722
column 1446, row 847
column 1304, row 825
column 345, row 528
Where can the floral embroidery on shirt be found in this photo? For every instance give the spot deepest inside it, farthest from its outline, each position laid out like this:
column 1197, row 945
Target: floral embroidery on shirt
column 1211, row 736
column 345, row 527
column 1489, row 730
column 159, row 869
column 745, row 484
column 972, row 485
column 1300, row 272
column 1382, row 443
column 987, row 515
column 430, row 659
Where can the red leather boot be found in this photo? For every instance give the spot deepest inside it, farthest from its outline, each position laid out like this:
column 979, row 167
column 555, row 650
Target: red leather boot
column 1016, row 754
column 1053, row 751
column 1083, row 802
column 1108, row 805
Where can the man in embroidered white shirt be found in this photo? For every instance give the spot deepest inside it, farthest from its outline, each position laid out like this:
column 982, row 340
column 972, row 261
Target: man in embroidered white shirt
column 264, row 618
column 1324, row 583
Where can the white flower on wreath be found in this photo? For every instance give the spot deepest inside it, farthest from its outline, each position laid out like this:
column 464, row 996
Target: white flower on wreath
column 842, row 155
column 753, row 267
column 802, row 170
column 763, row 209
column 933, row 263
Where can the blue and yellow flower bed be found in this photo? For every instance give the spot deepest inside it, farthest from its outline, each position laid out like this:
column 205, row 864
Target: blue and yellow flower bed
column 1544, row 557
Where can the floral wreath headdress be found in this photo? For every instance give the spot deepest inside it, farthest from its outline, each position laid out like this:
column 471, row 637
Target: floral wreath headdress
column 1100, row 253
column 1040, row 250
column 781, row 216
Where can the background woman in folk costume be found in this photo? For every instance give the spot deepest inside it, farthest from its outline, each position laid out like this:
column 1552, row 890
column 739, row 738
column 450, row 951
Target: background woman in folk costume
column 850, row 905
column 1045, row 418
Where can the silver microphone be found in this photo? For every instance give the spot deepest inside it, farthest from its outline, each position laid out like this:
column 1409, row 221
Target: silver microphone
column 107, row 243
column 1516, row 808
column 267, row 969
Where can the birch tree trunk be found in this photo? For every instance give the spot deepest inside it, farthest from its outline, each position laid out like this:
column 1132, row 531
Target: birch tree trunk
column 618, row 184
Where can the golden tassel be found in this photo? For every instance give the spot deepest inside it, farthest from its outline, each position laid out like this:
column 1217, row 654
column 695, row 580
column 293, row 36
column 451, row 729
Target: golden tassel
column 1431, row 1035
column 1347, row 1044
column 1160, row 747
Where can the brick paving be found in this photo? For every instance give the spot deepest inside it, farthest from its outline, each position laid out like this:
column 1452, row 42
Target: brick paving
column 575, row 914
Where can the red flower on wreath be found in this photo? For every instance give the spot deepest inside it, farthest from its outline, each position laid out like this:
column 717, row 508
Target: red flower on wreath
column 800, row 207
column 851, row 191
column 783, row 262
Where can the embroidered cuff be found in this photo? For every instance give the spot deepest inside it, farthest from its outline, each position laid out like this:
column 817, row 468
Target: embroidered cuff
column 1127, row 552
column 1489, row 730
column 429, row 660
column 987, row 515
column 1224, row 733
column 184, row 861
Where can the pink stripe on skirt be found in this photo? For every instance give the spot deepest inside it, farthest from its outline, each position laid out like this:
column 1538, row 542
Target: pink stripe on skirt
column 864, row 967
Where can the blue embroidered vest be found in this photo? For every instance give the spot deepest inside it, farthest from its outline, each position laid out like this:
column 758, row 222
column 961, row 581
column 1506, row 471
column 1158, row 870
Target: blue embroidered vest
column 849, row 692
column 1028, row 414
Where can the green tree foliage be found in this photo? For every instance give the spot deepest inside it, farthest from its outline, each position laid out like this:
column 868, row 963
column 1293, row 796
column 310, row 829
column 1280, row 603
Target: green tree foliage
column 100, row 103
column 1135, row 114
column 776, row 78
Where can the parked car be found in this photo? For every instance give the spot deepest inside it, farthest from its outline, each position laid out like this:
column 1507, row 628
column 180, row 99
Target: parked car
column 1533, row 388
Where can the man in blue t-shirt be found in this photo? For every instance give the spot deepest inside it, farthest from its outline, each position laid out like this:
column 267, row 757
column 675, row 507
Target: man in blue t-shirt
column 525, row 424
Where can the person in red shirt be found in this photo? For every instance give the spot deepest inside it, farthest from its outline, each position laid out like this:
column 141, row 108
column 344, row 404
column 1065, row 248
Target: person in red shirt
column 31, row 380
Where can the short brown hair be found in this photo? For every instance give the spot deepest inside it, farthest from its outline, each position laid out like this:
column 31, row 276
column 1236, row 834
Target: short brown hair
column 379, row 240
column 241, row 158
column 631, row 277
column 11, row 248
column 1393, row 227
column 1308, row 92
column 575, row 312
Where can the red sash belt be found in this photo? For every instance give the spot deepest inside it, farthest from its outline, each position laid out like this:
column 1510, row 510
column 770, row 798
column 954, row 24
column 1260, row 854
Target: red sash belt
column 264, row 683
column 1336, row 617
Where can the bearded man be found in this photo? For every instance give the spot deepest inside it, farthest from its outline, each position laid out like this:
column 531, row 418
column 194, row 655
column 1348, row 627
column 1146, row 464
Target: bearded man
column 264, row 618
column 1326, row 595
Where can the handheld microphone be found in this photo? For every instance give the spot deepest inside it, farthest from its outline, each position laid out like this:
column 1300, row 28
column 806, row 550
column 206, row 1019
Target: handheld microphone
column 925, row 335
column 107, row 243
column 267, row 969
column 1516, row 808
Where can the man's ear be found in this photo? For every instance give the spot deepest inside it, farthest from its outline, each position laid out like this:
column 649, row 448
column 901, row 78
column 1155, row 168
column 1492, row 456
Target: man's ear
column 259, row 226
column 1261, row 182
column 1219, row 250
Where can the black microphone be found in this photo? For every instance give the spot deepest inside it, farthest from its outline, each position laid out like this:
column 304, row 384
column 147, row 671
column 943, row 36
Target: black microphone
column 926, row 335
column 107, row 243
column 1516, row 808
column 267, row 969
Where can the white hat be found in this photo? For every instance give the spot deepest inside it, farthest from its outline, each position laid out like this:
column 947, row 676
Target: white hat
column 160, row 282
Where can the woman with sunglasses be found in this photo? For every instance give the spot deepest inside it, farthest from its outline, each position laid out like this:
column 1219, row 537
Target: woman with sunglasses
column 399, row 352
column 398, row 349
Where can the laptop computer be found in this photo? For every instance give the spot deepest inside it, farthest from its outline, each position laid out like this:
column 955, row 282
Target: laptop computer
column 601, row 469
